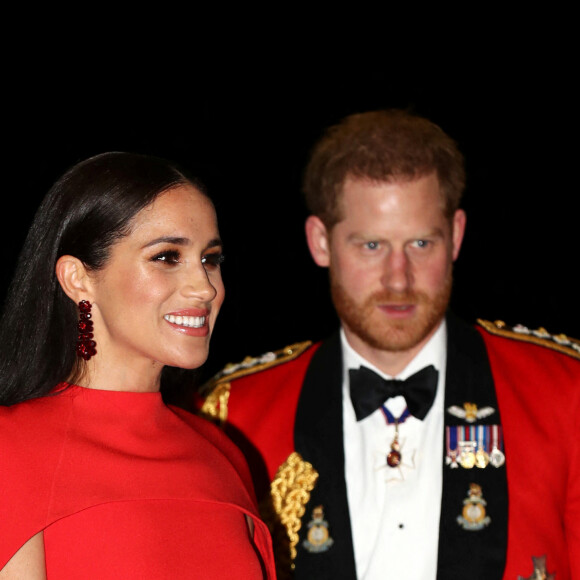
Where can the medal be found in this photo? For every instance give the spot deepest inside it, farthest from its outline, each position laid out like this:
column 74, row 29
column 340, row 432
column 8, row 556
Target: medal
column 467, row 454
column 467, row 447
column 481, row 457
column 496, row 457
column 471, row 446
column 394, row 457
column 451, row 447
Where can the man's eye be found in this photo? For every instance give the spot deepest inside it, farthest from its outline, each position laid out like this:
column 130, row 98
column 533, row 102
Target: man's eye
column 212, row 259
column 421, row 243
column 371, row 245
column 169, row 257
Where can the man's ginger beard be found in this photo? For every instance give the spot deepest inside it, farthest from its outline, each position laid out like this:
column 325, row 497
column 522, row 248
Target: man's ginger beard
column 363, row 319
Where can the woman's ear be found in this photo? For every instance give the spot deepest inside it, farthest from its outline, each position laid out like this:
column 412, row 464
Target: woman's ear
column 73, row 278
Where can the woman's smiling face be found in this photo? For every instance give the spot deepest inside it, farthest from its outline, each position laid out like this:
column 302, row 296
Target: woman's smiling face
column 156, row 300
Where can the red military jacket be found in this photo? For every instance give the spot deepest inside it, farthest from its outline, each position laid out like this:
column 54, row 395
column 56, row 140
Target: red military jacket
column 284, row 410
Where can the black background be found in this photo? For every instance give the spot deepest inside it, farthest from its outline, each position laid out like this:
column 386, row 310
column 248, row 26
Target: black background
column 245, row 124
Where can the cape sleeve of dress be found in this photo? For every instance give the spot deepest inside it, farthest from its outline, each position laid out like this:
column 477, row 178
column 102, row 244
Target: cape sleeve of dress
column 29, row 457
column 68, row 457
column 262, row 537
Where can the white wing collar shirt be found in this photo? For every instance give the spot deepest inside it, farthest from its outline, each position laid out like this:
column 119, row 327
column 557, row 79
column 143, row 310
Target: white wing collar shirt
column 394, row 511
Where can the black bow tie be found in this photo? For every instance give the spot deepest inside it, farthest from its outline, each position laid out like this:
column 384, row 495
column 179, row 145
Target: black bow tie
column 368, row 391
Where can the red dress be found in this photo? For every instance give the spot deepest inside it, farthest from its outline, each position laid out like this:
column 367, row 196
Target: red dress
column 126, row 487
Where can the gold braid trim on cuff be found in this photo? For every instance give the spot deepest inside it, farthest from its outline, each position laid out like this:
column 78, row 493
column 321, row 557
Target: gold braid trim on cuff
column 215, row 405
column 540, row 336
column 289, row 494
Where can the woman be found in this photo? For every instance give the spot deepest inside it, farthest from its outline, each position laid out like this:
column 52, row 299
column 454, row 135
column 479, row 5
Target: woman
column 119, row 277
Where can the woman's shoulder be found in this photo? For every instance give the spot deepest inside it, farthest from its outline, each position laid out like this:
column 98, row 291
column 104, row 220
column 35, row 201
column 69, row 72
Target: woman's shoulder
column 31, row 427
column 205, row 428
column 215, row 437
column 31, row 433
column 29, row 410
column 45, row 407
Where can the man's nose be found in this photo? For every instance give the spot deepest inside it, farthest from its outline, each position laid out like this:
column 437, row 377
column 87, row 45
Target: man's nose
column 397, row 274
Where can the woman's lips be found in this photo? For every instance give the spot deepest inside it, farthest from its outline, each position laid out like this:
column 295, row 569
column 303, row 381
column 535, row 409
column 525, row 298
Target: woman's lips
column 187, row 321
column 193, row 322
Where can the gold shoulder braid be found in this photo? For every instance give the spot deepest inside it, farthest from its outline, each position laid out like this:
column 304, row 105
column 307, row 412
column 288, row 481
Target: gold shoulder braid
column 215, row 405
column 541, row 336
column 283, row 510
column 216, row 392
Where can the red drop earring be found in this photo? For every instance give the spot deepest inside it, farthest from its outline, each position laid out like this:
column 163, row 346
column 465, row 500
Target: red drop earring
column 85, row 343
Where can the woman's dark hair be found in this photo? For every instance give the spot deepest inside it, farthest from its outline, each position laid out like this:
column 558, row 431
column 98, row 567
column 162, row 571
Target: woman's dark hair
column 85, row 212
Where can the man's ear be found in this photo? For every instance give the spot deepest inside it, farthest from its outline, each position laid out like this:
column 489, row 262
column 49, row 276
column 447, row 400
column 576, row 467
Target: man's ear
column 459, row 220
column 73, row 278
column 318, row 240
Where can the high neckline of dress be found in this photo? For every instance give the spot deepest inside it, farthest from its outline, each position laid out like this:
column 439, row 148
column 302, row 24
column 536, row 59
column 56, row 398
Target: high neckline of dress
column 133, row 402
column 71, row 387
column 114, row 404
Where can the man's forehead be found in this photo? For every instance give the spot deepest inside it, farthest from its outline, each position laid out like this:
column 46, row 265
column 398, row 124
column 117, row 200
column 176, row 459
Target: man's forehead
column 355, row 186
column 358, row 201
column 353, row 179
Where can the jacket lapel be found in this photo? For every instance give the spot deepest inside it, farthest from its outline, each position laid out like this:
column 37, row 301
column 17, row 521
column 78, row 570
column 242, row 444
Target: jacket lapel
column 318, row 438
column 468, row 553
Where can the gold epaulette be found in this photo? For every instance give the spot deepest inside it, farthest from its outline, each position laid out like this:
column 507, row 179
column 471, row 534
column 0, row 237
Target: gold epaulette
column 283, row 509
column 217, row 390
column 541, row 336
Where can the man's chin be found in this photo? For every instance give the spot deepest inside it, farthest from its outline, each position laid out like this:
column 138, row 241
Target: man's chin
column 394, row 337
column 410, row 320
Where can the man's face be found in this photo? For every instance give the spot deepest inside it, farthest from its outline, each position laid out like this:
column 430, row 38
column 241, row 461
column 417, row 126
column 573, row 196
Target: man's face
column 390, row 261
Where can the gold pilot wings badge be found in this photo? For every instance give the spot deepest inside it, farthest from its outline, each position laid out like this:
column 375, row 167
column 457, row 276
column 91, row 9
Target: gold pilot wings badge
column 470, row 412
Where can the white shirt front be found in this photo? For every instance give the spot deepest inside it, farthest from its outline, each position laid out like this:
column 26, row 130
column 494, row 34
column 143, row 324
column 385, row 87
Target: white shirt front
column 394, row 512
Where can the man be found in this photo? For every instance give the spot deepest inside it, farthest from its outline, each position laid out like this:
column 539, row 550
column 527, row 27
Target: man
column 471, row 468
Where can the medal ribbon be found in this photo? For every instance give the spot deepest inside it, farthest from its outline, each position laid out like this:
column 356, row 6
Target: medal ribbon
column 394, row 456
column 390, row 418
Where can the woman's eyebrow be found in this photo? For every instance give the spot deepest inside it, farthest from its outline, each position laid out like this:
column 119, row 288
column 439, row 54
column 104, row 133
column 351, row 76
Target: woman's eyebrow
column 179, row 241
column 168, row 240
column 215, row 242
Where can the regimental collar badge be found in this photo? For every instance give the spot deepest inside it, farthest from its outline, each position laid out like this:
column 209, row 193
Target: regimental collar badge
column 318, row 536
column 473, row 516
column 539, row 572
column 470, row 412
